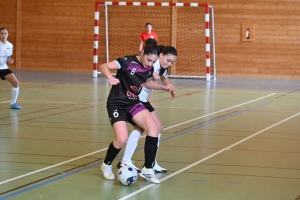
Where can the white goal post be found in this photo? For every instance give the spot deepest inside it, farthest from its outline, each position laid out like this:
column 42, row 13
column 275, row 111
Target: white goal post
column 189, row 27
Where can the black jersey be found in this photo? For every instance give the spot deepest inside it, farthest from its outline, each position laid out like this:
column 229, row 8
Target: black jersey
column 132, row 76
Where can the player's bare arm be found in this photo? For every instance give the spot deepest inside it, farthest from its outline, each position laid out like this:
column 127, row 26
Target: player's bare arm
column 151, row 84
column 105, row 70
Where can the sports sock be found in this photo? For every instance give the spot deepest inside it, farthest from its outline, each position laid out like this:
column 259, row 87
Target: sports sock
column 131, row 145
column 15, row 93
column 150, row 151
column 111, row 154
column 159, row 135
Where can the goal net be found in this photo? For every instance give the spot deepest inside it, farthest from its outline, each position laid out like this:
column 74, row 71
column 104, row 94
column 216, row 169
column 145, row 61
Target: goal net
column 186, row 26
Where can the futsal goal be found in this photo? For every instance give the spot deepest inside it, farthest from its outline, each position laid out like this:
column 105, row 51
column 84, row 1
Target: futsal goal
column 189, row 27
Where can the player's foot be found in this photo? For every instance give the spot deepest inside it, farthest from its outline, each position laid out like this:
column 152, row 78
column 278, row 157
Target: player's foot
column 107, row 171
column 15, row 106
column 159, row 169
column 149, row 175
column 128, row 163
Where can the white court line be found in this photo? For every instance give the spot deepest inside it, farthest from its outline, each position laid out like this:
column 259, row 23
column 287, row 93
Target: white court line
column 4, row 102
column 210, row 156
column 219, row 111
column 49, row 167
column 43, row 169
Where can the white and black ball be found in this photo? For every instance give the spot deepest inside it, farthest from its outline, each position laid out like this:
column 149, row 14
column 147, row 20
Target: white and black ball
column 127, row 175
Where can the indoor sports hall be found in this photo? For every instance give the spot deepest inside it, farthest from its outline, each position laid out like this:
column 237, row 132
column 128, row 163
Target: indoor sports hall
column 231, row 133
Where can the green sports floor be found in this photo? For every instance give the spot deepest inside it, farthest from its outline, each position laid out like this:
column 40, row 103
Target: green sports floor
column 228, row 139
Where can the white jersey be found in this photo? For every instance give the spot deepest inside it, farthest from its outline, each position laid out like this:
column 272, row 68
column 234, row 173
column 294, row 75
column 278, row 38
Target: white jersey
column 145, row 91
column 6, row 50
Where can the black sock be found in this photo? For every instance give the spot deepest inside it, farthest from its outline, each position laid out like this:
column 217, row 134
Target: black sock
column 150, row 151
column 111, row 154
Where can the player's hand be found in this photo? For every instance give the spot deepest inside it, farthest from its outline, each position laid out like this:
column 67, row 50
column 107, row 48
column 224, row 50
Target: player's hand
column 170, row 86
column 10, row 61
column 112, row 80
column 165, row 88
column 173, row 95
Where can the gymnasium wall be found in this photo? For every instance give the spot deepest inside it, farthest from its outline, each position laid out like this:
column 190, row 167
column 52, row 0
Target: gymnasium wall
column 8, row 19
column 58, row 35
column 275, row 51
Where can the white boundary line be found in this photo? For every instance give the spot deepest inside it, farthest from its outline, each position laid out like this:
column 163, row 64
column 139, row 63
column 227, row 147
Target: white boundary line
column 4, row 102
column 210, row 156
column 43, row 169
column 77, row 158
column 219, row 111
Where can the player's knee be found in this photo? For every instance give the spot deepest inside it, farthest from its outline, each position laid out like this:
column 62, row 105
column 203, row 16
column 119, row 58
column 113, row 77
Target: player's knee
column 14, row 82
column 120, row 142
column 160, row 129
column 152, row 130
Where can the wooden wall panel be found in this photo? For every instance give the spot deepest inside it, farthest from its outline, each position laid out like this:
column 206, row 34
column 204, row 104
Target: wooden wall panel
column 9, row 20
column 273, row 54
column 58, row 35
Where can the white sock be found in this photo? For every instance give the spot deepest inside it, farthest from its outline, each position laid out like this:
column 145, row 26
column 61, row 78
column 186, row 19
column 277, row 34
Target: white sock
column 131, row 145
column 15, row 93
column 159, row 135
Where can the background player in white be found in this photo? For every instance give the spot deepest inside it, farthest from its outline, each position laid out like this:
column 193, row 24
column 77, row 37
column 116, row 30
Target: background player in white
column 6, row 50
column 167, row 56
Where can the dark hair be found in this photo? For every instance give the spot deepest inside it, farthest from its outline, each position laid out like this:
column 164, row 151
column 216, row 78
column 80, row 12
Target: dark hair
column 152, row 48
column 165, row 50
column 168, row 50
column 3, row 28
column 148, row 23
column 150, row 40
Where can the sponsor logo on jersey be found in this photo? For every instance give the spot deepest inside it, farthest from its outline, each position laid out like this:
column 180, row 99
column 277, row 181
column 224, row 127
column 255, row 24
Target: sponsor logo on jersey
column 135, row 91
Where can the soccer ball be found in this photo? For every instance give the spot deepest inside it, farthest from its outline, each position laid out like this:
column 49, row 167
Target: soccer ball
column 127, row 175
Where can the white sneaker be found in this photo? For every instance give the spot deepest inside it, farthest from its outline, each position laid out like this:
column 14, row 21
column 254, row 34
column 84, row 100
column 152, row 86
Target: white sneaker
column 159, row 169
column 149, row 175
column 107, row 171
column 128, row 163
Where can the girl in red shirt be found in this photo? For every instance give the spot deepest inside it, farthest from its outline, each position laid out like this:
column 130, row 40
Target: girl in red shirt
column 147, row 34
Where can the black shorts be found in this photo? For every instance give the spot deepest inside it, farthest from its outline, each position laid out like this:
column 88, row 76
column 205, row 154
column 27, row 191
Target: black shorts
column 148, row 106
column 118, row 113
column 4, row 72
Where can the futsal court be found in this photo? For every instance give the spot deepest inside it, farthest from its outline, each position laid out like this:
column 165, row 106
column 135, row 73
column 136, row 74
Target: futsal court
column 229, row 138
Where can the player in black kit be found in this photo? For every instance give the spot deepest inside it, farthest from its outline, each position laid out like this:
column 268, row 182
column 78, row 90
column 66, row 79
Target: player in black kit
column 123, row 105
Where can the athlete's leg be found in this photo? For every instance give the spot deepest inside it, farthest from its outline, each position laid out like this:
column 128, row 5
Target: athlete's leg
column 145, row 120
column 121, row 135
column 15, row 90
column 160, row 128
column 132, row 143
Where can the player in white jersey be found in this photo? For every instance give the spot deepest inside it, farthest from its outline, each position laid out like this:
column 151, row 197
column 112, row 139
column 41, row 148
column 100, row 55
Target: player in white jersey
column 6, row 50
column 167, row 56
